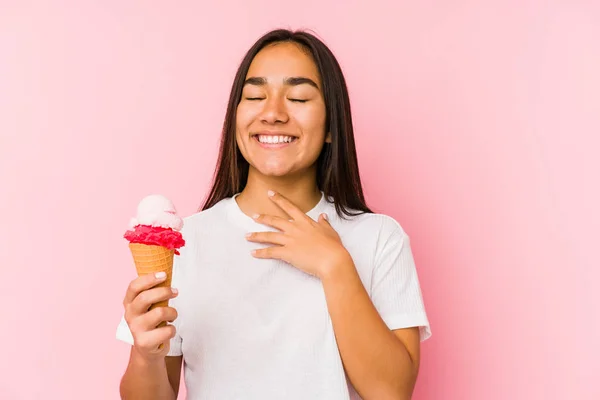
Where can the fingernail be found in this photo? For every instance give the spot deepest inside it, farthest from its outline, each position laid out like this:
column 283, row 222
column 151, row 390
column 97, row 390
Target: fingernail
column 326, row 217
column 248, row 235
column 271, row 193
column 175, row 291
column 160, row 275
column 255, row 216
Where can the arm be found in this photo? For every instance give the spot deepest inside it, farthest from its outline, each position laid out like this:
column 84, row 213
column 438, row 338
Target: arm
column 151, row 380
column 381, row 364
column 151, row 373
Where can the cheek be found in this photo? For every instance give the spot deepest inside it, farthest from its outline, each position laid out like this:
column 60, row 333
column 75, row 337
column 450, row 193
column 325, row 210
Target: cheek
column 240, row 115
column 312, row 119
column 242, row 121
column 245, row 114
column 240, row 143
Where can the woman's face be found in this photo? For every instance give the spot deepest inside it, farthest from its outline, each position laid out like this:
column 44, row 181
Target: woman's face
column 280, row 121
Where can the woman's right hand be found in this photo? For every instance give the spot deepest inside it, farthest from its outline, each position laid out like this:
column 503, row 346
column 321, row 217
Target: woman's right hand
column 141, row 294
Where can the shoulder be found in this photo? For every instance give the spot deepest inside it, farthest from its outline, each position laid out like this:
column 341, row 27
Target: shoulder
column 202, row 219
column 382, row 226
column 197, row 231
column 373, row 239
column 198, row 228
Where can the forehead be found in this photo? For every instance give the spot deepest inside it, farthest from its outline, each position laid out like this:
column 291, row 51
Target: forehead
column 283, row 60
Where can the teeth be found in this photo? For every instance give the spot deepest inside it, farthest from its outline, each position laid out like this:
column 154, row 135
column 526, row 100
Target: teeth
column 274, row 139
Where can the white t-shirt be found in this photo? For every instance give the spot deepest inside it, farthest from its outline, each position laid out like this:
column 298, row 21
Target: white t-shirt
column 259, row 329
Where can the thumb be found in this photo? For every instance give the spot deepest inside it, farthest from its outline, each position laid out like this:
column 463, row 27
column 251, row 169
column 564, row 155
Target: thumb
column 323, row 218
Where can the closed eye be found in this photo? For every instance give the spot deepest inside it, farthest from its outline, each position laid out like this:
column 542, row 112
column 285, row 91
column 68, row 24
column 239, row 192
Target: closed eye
column 298, row 100
column 254, row 98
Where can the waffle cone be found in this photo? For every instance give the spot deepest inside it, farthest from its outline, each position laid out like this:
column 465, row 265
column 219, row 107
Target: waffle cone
column 150, row 259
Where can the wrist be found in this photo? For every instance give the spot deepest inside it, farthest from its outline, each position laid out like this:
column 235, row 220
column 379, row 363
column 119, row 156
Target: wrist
column 340, row 265
column 142, row 361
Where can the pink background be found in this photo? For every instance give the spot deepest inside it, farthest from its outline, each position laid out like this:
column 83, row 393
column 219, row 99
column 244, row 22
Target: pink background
column 477, row 126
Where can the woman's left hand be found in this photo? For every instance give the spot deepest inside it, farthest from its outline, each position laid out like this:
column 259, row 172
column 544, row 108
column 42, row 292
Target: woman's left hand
column 313, row 247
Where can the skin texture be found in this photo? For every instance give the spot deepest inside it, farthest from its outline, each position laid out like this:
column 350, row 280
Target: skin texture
column 149, row 374
column 380, row 363
column 273, row 107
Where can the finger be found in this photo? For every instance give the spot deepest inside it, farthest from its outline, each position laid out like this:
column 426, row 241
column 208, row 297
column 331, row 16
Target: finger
column 142, row 283
column 273, row 252
column 150, row 340
column 324, row 219
column 282, row 224
column 145, row 299
column 154, row 317
column 290, row 208
column 267, row 237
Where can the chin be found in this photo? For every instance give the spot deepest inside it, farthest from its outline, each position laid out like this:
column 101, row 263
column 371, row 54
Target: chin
column 273, row 170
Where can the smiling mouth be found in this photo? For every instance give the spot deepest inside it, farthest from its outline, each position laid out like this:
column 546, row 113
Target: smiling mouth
column 273, row 141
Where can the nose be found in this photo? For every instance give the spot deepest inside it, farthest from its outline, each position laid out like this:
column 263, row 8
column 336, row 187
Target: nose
column 274, row 111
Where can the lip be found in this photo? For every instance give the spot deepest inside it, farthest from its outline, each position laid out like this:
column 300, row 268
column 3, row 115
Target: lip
column 254, row 137
column 273, row 133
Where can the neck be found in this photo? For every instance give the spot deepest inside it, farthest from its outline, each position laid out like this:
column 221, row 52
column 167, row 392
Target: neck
column 302, row 191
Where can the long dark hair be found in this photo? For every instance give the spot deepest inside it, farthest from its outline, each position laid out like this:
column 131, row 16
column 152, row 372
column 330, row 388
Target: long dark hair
column 337, row 166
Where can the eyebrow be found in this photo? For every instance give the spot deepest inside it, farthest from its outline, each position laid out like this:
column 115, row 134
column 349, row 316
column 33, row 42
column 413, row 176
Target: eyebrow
column 291, row 81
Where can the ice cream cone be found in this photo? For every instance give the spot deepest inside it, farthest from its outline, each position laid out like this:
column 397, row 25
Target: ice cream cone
column 150, row 259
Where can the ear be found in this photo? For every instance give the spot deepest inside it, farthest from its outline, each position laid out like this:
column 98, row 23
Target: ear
column 328, row 137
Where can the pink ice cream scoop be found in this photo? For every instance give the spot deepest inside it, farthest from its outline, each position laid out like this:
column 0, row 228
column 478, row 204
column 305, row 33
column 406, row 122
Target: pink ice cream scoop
column 156, row 223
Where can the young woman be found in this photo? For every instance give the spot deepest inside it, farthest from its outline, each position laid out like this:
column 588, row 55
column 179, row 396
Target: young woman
column 289, row 286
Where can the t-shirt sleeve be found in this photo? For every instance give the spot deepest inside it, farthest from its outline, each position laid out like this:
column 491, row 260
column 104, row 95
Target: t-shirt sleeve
column 395, row 289
column 124, row 333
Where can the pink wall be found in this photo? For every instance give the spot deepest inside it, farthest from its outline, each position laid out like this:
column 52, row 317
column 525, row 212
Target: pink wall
column 477, row 128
